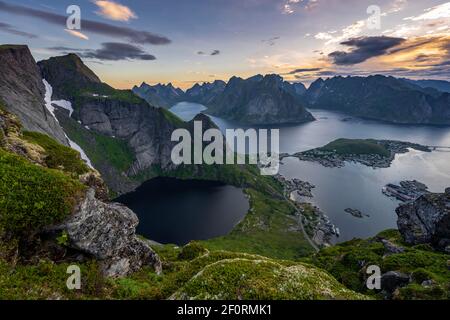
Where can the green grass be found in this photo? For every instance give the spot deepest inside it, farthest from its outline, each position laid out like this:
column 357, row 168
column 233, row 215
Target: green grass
column 269, row 228
column 356, row 146
column 173, row 118
column 100, row 148
column 57, row 155
column 345, row 262
column 32, row 197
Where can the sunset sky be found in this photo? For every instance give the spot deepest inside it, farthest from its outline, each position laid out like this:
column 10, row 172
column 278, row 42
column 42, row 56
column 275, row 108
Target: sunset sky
column 186, row 41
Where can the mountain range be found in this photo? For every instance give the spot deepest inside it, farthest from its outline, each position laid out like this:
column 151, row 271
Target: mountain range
column 381, row 98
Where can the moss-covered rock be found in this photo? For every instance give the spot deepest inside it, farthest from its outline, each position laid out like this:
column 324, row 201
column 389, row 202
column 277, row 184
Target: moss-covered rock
column 239, row 278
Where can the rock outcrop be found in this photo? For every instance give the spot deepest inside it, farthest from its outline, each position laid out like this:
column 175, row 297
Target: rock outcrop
column 106, row 231
column 259, row 100
column 426, row 220
column 22, row 91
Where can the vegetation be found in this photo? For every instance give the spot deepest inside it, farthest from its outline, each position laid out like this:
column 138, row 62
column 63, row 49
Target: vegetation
column 269, row 229
column 214, row 275
column 32, row 197
column 57, row 155
column 356, row 146
column 120, row 156
column 346, row 263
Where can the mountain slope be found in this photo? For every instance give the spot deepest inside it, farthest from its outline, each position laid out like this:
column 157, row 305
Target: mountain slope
column 205, row 93
column 439, row 85
column 160, row 95
column 22, row 91
column 382, row 98
column 136, row 135
column 259, row 100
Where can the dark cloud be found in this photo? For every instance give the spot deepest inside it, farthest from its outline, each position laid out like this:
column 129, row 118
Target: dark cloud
column 130, row 34
column 271, row 41
column 364, row 48
column 214, row 53
column 10, row 29
column 110, row 51
column 327, row 73
column 302, row 70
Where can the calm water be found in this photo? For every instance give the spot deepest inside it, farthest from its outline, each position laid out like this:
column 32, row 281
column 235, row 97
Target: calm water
column 356, row 186
column 178, row 211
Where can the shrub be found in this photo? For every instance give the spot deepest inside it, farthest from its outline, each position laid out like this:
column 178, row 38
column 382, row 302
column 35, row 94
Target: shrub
column 32, row 197
column 191, row 251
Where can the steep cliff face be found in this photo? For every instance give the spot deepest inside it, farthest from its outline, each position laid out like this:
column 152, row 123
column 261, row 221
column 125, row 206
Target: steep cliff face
column 426, row 220
column 135, row 135
column 259, row 100
column 160, row 95
column 22, row 91
column 382, row 98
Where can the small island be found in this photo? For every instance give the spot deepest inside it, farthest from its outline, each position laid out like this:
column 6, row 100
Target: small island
column 369, row 152
column 356, row 213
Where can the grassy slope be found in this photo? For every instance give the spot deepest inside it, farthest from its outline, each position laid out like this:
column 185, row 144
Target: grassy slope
column 343, row 261
column 221, row 274
column 33, row 197
column 356, row 146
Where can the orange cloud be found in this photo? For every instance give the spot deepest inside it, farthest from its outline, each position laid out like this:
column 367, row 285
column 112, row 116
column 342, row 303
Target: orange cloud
column 114, row 11
column 77, row 34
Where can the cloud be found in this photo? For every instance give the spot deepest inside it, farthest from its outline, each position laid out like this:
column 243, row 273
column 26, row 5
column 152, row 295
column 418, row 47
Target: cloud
column 364, row 48
column 437, row 12
column 110, row 51
column 10, row 29
column 213, row 53
column 77, row 34
column 137, row 36
column 114, row 11
column 302, row 70
column 271, row 41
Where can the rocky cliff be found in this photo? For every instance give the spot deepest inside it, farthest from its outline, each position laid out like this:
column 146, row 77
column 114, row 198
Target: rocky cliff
column 382, row 98
column 22, row 91
column 426, row 220
column 109, row 120
column 259, row 100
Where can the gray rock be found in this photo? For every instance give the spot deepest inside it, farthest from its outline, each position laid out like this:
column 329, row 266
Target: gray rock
column 107, row 232
column 392, row 280
column 391, row 248
column 22, row 91
column 426, row 220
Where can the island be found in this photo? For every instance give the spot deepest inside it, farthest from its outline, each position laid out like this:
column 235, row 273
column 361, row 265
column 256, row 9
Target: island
column 369, row 152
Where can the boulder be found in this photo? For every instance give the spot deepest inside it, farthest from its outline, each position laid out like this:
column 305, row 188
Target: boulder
column 392, row 280
column 426, row 220
column 106, row 231
column 391, row 248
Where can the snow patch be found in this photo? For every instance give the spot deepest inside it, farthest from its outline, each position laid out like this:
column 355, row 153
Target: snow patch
column 68, row 106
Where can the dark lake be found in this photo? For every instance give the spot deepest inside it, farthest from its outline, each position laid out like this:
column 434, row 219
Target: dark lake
column 178, row 211
column 355, row 186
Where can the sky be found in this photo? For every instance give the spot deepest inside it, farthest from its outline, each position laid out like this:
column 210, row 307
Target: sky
column 127, row 42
